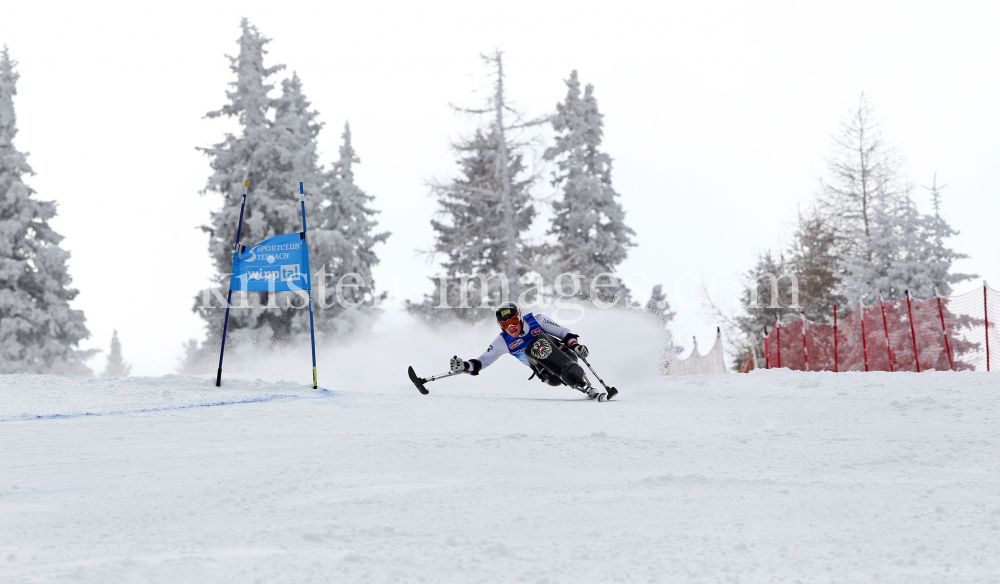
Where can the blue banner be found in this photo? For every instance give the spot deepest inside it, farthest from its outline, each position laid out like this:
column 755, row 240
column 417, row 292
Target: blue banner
column 278, row 264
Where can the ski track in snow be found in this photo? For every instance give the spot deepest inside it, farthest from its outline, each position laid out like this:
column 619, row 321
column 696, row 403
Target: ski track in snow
column 148, row 410
column 174, row 392
column 775, row 476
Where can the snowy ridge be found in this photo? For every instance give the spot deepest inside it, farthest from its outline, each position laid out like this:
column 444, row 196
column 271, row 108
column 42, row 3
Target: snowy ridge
column 773, row 476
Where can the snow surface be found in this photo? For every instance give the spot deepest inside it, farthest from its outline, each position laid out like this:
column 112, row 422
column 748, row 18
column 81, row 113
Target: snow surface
column 775, row 476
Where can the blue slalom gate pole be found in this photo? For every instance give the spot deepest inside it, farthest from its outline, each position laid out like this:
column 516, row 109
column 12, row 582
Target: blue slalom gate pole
column 312, row 330
column 229, row 297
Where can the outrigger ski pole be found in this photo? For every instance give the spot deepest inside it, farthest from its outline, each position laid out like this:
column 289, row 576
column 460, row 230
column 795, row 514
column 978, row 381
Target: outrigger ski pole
column 612, row 391
column 420, row 381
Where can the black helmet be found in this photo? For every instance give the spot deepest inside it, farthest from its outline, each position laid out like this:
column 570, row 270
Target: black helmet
column 507, row 314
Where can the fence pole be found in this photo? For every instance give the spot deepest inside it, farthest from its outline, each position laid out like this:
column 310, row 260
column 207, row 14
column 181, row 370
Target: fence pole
column 836, row 361
column 777, row 339
column 885, row 325
column 944, row 331
column 805, row 347
column 864, row 340
column 913, row 334
column 986, row 320
column 767, row 362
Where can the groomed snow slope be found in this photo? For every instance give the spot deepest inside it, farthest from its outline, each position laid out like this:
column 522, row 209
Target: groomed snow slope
column 775, row 476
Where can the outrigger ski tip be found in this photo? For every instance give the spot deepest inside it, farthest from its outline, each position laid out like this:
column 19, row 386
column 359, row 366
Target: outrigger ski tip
column 420, row 381
column 417, row 381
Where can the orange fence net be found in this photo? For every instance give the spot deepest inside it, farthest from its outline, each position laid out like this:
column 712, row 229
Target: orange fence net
column 954, row 333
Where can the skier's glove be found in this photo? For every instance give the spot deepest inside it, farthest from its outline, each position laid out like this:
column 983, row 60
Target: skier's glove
column 578, row 348
column 458, row 365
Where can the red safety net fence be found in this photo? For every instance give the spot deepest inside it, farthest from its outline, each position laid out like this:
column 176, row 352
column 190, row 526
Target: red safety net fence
column 954, row 333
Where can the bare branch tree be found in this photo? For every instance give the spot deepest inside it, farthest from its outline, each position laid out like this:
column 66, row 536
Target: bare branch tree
column 863, row 169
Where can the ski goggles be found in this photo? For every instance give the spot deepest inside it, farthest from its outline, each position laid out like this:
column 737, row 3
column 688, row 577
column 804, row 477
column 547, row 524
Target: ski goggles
column 510, row 325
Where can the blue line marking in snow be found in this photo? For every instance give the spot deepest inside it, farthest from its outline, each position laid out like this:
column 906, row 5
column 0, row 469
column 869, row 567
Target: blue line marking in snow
column 251, row 400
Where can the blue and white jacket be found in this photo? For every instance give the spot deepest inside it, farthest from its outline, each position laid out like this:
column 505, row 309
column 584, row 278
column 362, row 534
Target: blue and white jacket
column 506, row 344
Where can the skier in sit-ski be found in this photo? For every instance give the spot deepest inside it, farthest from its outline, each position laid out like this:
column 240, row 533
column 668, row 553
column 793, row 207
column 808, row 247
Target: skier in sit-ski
column 516, row 334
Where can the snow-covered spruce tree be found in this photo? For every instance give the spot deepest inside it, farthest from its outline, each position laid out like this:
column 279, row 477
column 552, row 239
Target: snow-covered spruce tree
column 872, row 271
column 245, row 155
column 862, row 170
column 292, row 157
column 39, row 332
column 761, row 306
column 864, row 238
column 275, row 149
column 810, row 264
column 658, row 307
column 885, row 244
column 936, row 256
column 591, row 237
column 937, row 261
column 814, row 259
column 116, row 365
column 472, row 236
column 484, row 217
column 904, row 251
column 345, row 236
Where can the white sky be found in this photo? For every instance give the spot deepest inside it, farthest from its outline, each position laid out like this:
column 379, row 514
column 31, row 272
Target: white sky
column 718, row 116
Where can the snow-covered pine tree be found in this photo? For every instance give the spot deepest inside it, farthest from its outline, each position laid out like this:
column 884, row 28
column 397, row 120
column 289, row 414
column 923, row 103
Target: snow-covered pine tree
column 39, row 331
column 814, row 259
column 485, row 214
column 658, row 307
column 291, row 157
column 275, row 150
column 744, row 330
column 471, row 234
column 905, row 251
column 862, row 171
column 591, row 236
column 869, row 270
column 116, row 365
column 246, row 155
column 866, row 237
column 345, row 236
column 886, row 245
column 937, row 260
column 937, row 256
